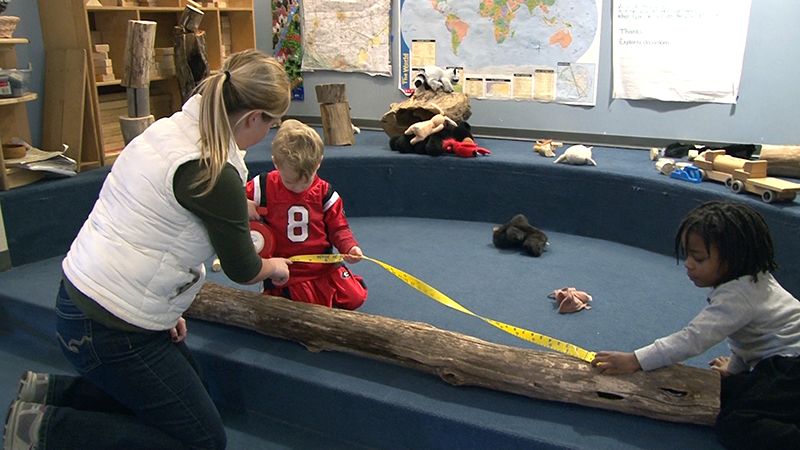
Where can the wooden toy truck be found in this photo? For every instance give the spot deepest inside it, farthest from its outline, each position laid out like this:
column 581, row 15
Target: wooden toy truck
column 744, row 175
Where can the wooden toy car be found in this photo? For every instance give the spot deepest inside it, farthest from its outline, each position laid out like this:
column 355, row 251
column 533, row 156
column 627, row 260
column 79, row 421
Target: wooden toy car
column 744, row 175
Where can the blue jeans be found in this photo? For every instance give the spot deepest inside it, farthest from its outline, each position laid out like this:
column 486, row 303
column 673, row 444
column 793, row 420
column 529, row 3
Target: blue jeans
column 135, row 390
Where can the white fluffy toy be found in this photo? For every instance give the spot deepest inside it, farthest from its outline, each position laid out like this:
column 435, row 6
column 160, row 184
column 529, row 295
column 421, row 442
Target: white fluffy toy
column 435, row 78
column 577, row 155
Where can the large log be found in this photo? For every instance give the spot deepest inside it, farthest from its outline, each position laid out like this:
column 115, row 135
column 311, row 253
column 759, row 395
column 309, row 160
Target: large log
column 422, row 107
column 784, row 160
column 677, row 393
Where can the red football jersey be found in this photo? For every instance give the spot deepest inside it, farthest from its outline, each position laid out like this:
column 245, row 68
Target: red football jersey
column 306, row 223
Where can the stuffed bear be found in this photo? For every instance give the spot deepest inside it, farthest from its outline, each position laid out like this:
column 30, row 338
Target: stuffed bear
column 519, row 233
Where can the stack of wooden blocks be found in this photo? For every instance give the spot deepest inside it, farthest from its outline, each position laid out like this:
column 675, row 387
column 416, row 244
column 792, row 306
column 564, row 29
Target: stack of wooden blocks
column 225, row 30
column 112, row 106
column 163, row 63
column 103, row 68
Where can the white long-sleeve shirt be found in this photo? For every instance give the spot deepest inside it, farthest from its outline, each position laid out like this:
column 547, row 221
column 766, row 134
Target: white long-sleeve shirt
column 759, row 319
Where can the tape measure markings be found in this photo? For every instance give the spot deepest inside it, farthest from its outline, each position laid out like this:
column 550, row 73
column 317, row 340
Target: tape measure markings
column 536, row 338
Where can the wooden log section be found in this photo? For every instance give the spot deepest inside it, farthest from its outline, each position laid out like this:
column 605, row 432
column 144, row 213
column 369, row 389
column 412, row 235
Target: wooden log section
column 191, row 59
column 191, row 17
column 134, row 126
column 337, row 128
column 677, row 393
column 784, row 160
column 138, row 53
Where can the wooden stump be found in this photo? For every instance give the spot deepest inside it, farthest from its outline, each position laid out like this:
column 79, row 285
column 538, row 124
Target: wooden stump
column 422, row 107
column 337, row 128
column 191, row 59
column 677, row 393
column 139, row 48
column 191, row 18
column 134, row 126
column 138, row 53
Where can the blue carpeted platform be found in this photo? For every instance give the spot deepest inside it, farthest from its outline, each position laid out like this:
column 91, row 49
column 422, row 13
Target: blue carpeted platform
column 610, row 230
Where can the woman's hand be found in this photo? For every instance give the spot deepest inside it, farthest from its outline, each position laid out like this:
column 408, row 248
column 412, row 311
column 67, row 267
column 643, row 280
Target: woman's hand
column 354, row 255
column 279, row 270
column 616, row 363
column 720, row 365
column 178, row 334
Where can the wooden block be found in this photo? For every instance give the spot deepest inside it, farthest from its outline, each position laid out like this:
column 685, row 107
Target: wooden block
column 101, row 62
column 104, row 77
column 102, row 48
column 100, row 55
column 127, row 3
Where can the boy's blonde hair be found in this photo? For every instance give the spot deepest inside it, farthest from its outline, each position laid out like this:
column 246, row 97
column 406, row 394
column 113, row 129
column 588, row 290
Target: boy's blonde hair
column 249, row 80
column 298, row 146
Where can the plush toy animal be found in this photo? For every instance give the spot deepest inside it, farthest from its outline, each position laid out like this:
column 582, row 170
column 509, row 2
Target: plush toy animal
column 519, row 233
column 435, row 78
column 547, row 147
column 463, row 149
column 571, row 300
column 433, row 145
column 421, row 130
column 577, row 155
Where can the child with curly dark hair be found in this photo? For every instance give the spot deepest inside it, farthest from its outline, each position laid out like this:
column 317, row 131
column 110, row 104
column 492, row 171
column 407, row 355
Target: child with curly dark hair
column 728, row 247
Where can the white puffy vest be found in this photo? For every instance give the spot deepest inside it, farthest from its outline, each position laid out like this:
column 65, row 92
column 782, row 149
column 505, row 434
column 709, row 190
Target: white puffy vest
column 140, row 254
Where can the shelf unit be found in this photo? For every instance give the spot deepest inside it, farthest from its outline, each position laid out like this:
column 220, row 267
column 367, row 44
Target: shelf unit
column 70, row 24
column 14, row 121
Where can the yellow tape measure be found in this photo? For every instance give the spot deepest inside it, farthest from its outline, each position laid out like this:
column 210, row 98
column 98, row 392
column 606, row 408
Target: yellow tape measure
column 430, row 291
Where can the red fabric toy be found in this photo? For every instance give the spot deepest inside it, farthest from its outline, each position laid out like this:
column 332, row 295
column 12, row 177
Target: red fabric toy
column 463, row 149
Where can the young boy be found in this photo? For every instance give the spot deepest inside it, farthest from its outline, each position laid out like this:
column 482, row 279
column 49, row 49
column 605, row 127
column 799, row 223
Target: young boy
column 306, row 217
column 728, row 248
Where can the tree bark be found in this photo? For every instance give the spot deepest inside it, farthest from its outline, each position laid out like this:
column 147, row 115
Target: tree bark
column 677, row 393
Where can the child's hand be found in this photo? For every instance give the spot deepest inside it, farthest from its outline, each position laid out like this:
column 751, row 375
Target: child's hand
column 251, row 210
column 354, row 255
column 616, row 363
column 720, row 365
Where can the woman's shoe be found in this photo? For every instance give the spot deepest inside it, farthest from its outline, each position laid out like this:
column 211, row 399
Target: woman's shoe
column 22, row 426
column 33, row 387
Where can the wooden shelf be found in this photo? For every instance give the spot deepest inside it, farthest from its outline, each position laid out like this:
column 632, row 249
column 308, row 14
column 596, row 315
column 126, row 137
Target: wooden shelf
column 227, row 30
column 14, row 122
column 14, row 100
column 12, row 41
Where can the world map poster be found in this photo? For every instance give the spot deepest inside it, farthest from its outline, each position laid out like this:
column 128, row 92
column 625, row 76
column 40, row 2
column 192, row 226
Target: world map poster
column 531, row 50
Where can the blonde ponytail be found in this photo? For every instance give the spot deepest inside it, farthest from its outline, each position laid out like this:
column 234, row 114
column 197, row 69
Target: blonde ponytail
column 249, row 80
